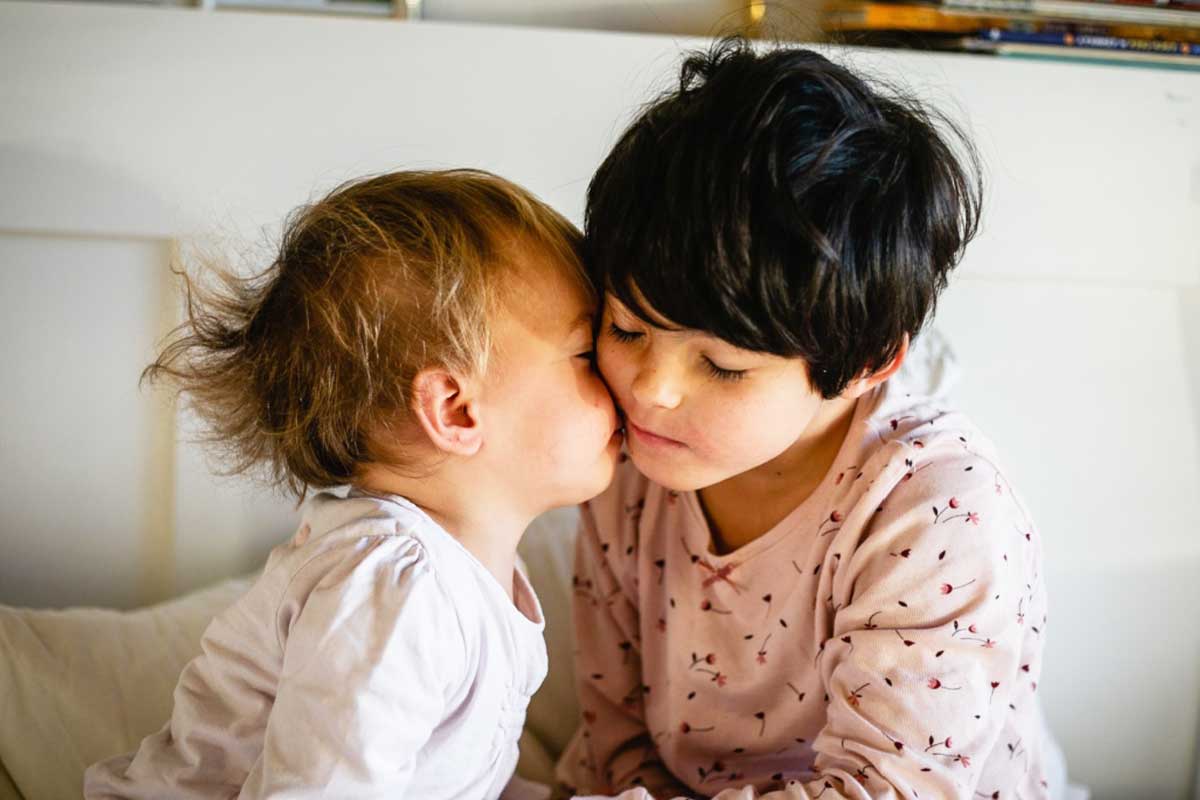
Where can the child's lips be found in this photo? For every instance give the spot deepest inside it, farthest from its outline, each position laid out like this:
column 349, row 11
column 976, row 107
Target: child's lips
column 649, row 437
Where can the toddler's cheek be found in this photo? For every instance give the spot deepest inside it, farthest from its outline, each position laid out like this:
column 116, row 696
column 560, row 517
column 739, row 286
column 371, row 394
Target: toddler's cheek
column 565, row 436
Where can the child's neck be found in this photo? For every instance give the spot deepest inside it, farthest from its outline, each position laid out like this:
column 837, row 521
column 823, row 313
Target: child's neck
column 743, row 508
column 486, row 527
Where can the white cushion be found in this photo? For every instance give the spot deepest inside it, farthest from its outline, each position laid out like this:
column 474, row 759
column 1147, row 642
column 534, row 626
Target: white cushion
column 548, row 551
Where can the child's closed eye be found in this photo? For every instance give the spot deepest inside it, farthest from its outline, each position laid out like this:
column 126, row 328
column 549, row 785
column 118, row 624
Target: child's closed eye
column 622, row 335
column 722, row 374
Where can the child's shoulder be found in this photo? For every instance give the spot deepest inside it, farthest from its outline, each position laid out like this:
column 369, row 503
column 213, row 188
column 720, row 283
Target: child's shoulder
column 905, row 423
column 336, row 527
column 913, row 415
column 931, row 459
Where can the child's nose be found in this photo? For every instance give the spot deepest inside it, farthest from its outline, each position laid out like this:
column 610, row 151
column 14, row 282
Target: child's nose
column 655, row 385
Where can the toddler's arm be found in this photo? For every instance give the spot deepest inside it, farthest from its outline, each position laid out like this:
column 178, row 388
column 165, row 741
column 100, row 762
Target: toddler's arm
column 367, row 668
column 337, row 703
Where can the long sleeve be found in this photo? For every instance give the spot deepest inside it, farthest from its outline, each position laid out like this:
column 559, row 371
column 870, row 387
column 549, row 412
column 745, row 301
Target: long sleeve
column 369, row 666
column 334, row 694
column 929, row 646
column 929, row 655
column 616, row 747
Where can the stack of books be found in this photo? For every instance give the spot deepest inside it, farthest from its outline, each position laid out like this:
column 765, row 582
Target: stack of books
column 1158, row 33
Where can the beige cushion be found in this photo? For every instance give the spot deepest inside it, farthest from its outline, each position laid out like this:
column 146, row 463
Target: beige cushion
column 82, row 684
column 8, row 789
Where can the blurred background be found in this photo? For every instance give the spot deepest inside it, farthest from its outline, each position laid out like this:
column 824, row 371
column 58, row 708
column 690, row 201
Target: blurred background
column 128, row 129
column 1160, row 32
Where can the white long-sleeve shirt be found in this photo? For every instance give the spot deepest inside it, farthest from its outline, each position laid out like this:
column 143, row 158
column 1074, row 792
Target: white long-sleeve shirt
column 374, row 657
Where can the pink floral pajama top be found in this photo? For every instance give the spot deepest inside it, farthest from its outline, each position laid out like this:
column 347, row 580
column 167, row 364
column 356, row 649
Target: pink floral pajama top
column 884, row 640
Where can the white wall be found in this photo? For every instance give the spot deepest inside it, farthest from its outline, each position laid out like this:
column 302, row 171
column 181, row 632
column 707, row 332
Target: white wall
column 86, row 470
column 1086, row 388
column 1076, row 313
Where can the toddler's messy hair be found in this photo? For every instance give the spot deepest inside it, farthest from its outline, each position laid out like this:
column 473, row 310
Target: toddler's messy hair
column 293, row 369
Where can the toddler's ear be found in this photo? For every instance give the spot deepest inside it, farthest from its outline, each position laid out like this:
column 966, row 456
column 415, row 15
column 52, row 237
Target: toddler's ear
column 444, row 406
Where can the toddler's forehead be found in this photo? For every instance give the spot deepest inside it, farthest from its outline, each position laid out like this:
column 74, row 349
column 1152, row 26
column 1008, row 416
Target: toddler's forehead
column 541, row 311
column 555, row 285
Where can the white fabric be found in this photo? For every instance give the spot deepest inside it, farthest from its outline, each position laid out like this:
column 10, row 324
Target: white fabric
column 931, row 367
column 374, row 657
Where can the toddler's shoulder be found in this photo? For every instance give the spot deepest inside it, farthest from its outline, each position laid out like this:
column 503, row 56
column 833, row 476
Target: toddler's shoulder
column 372, row 556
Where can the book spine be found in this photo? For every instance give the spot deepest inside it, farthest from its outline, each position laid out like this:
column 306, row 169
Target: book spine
column 888, row 16
column 1091, row 42
column 1176, row 16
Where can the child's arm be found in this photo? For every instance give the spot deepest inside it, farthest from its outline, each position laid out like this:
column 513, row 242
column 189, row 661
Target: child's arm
column 937, row 645
column 938, row 623
column 617, row 746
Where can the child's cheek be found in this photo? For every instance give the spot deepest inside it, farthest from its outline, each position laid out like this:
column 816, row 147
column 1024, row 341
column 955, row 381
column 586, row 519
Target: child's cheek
column 727, row 424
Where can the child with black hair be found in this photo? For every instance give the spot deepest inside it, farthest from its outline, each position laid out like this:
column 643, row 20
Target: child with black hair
column 807, row 578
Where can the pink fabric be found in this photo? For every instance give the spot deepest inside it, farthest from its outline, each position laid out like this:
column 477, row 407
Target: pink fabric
column 884, row 640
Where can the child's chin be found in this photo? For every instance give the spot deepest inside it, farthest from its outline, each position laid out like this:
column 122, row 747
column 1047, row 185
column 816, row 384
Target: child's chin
column 675, row 478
